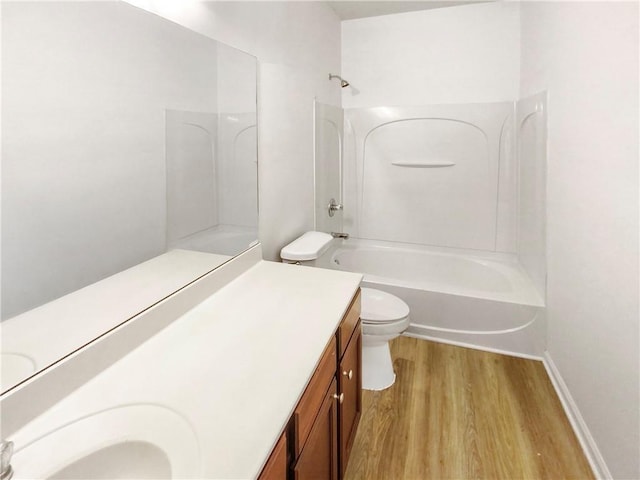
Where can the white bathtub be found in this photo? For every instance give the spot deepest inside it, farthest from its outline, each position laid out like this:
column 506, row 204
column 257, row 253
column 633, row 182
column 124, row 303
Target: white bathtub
column 477, row 299
column 223, row 240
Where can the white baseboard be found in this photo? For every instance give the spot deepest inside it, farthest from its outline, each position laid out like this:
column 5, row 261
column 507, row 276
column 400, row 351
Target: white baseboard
column 591, row 451
column 415, row 332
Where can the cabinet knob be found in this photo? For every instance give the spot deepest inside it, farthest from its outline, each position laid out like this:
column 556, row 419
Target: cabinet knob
column 340, row 397
column 350, row 374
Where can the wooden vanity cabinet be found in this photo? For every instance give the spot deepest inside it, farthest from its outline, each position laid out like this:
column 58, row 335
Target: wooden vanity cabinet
column 320, row 434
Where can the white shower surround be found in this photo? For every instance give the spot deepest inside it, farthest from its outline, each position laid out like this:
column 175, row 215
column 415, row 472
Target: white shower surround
column 211, row 181
column 442, row 175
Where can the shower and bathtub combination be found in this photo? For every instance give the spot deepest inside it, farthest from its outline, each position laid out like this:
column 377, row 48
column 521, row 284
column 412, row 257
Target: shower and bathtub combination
column 211, row 173
column 445, row 208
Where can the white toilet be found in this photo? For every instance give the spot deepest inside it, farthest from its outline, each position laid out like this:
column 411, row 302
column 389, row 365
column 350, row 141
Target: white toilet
column 384, row 316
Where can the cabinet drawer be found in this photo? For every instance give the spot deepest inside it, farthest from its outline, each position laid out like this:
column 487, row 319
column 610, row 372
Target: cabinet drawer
column 349, row 323
column 312, row 398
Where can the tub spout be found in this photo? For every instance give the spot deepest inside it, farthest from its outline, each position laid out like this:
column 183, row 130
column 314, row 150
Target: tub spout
column 339, row 235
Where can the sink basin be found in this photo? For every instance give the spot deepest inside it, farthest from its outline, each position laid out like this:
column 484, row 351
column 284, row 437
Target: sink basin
column 15, row 368
column 129, row 442
column 126, row 460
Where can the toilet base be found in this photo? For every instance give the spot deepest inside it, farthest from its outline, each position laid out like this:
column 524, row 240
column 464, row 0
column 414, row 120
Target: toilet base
column 377, row 367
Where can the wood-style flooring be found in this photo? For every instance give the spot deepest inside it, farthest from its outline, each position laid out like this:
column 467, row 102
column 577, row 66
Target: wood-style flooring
column 458, row 413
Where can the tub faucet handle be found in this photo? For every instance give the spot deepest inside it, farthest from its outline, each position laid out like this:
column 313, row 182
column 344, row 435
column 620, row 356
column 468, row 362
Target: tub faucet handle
column 333, row 207
column 6, row 451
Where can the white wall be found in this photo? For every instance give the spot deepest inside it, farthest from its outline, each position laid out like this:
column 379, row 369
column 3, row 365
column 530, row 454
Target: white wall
column 463, row 54
column 586, row 55
column 297, row 45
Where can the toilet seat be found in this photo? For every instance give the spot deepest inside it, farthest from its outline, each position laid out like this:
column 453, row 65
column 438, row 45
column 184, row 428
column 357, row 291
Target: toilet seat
column 380, row 307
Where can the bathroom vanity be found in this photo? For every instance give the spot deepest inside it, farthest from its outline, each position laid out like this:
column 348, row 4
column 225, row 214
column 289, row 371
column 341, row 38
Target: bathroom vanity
column 255, row 374
column 318, row 439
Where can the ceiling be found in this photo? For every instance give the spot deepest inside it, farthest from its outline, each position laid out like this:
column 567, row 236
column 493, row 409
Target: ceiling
column 348, row 10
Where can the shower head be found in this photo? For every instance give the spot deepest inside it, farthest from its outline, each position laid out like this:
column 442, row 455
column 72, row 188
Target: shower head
column 343, row 82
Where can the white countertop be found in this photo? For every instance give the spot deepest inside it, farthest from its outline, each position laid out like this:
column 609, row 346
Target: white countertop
column 233, row 367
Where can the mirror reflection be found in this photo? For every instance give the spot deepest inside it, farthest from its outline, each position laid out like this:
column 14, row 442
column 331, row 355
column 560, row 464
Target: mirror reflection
column 129, row 169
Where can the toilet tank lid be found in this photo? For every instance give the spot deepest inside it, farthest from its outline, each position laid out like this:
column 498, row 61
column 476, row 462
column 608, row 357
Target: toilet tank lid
column 307, row 247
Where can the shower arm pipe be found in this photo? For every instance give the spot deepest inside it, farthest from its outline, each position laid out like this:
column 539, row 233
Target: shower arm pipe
column 343, row 82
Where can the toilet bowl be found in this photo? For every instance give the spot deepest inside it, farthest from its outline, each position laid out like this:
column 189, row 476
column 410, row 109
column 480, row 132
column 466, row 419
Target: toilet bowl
column 383, row 318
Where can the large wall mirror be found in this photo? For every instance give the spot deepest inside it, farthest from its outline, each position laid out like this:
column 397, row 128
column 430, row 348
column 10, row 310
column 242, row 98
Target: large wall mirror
column 129, row 169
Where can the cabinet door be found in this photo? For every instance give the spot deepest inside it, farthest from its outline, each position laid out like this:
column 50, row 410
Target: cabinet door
column 319, row 457
column 350, row 389
column 307, row 410
column 276, row 466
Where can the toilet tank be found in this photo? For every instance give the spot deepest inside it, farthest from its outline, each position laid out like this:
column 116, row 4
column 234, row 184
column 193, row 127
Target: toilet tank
column 306, row 248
